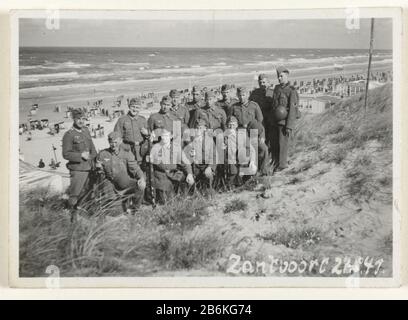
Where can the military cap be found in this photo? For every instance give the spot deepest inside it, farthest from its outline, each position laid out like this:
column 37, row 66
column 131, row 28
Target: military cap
column 135, row 102
column 166, row 99
column 209, row 94
column 174, row 93
column 77, row 113
column 242, row 89
column 281, row 69
column 262, row 76
column 114, row 135
column 232, row 119
column 226, row 87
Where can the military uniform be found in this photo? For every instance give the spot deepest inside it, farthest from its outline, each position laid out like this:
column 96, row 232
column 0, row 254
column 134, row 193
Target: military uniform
column 246, row 112
column 74, row 143
column 214, row 116
column 201, row 156
column 129, row 129
column 237, row 158
column 168, row 172
column 226, row 104
column 263, row 97
column 122, row 171
column 182, row 114
column 283, row 95
column 263, row 152
column 192, row 108
column 161, row 120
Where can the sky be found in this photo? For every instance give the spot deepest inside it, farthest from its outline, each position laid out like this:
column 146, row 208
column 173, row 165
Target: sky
column 327, row 33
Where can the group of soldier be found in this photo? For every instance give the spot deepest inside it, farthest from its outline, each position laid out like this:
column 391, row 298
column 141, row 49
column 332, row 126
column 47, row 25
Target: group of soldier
column 141, row 160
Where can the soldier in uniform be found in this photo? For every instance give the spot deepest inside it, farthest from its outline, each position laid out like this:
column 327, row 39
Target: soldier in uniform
column 245, row 110
column 263, row 97
column 200, row 154
column 196, row 103
column 263, row 152
column 178, row 109
column 132, row 128
column 121, row 169
column 169, row 173
column 284, row 95
column 79, row 150
column 227, row 101
column 214, row 116
column 164, row 118
column 238, row 167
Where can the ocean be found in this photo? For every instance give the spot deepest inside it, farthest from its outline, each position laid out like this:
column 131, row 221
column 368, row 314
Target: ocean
column 51, row 68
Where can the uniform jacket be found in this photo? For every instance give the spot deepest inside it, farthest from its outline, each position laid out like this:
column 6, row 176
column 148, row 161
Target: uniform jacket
column 263, row 97
column 74, row 142
column 161, row 120
column 246, row 112
column 284, row 95
column 166, row 169
column 129, row 128
column 119, row 167
column 214, row 116
column 181, row 113
column 226, row 105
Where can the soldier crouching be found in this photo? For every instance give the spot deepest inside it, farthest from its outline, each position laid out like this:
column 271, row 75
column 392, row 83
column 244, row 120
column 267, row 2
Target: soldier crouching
column 123, row 174
column 200, row 154
column 168, row 171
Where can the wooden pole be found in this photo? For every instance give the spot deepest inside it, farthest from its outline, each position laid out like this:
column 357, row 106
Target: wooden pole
column 369, row 63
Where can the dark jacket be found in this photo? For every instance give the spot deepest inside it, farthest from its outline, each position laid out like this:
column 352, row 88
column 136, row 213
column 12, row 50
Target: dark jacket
column 119, row 168
column 246, row 113
column 129, row 128
column 74, row 142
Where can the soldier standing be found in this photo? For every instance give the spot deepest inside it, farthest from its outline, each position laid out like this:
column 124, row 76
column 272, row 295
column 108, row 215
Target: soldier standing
column 196, row 103
column 214, row 116
column 263, row 97
column 284, row 95
column 178, row 109
column 164, row 118
column 79, row 150
column 226, row 102
column 245, row 110
column 132, row 128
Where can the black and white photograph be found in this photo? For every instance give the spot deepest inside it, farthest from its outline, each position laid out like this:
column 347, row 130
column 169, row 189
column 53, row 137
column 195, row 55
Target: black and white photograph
column 205, row 148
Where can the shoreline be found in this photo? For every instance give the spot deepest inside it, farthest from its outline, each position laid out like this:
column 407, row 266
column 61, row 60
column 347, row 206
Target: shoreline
column 79, row 96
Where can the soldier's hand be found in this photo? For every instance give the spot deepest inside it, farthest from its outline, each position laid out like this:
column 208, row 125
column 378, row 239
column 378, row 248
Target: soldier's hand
column 141, row 183
column 190, row 179
column 85, row 155
column 144, row 131
column 98, row 165
column 262, row 140
column 208, row 173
